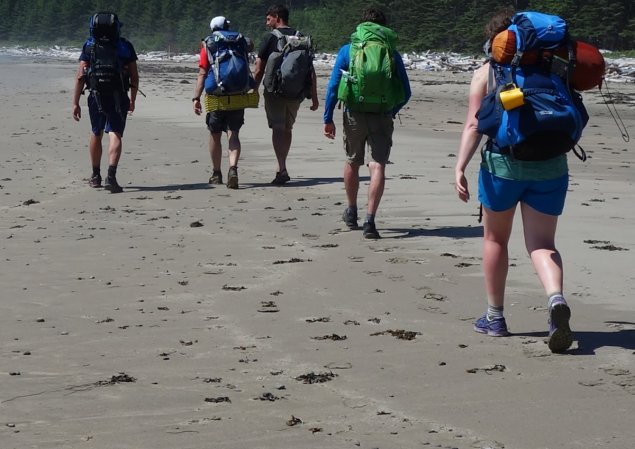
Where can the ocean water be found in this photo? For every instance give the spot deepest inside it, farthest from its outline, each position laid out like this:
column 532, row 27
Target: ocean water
column 8, row 59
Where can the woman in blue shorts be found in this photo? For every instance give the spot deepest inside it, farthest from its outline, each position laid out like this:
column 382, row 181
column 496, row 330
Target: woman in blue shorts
column 540, row 187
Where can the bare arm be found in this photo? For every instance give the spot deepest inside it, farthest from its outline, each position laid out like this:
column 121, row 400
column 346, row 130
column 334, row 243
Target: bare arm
column 133, row 70
column 259, row 72
column 198, row 90
column 77, row 91
column 470, row 138
column 314, row 97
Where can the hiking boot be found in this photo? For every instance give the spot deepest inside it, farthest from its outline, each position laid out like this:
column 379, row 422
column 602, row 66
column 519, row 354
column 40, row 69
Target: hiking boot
column 95, row 181
column 495, row 328
column 216, row 178
column 112, row 185
column 560, row 335
column 232, row 178
column 370, row 231
column 350, row 218
column 281, row 178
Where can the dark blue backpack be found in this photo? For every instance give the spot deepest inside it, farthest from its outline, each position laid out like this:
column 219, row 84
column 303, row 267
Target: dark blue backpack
column 229, row 72
column 549, row 117
column 105, row 49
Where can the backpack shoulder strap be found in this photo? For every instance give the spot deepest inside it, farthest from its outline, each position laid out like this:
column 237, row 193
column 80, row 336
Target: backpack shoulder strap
column 282, row 39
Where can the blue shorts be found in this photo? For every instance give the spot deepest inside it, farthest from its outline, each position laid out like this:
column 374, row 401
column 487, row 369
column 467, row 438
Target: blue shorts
column 499, row 194
column 111, row 118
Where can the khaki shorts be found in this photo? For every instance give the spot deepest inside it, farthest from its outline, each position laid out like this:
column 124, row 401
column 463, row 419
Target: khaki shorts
column 280, row 110
column 361, row 128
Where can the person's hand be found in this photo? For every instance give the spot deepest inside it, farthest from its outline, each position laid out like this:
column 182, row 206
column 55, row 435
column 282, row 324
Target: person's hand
column 329, row 130
column 461, row 187
column 314, row 104
column 131, row 107
column 198, row 109
column 77, row 112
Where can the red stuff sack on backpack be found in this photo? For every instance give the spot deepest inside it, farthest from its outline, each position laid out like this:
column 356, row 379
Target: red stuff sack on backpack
column 589, row 66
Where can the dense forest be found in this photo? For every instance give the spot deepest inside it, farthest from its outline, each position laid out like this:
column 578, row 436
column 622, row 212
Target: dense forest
column 178, row 25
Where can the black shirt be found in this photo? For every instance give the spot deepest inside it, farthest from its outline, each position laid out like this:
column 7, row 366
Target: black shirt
column 269, row 42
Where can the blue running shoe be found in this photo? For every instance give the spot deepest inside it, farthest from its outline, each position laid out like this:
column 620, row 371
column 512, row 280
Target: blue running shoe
column 560, row 335
column 494, row 328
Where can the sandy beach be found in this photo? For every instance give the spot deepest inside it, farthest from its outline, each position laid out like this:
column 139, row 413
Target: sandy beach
column 179, row 315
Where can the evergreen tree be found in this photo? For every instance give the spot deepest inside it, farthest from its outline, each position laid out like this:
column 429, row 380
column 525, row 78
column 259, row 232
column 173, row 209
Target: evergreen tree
column 431, row 24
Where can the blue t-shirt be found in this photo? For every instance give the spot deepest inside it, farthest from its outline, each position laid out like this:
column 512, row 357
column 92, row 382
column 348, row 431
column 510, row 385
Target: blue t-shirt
column 342, row 63
column 125, row 51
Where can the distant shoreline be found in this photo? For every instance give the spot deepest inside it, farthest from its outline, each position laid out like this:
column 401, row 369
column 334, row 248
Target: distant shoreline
column 618, row 69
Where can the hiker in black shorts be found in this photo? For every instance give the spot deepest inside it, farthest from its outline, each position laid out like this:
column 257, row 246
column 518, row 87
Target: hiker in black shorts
column 219, row 121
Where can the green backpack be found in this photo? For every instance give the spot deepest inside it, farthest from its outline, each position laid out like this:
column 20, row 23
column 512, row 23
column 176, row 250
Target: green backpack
column 372, row 83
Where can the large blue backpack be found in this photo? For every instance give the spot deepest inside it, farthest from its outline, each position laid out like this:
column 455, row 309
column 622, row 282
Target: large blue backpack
column 548, row 116
column 229, row 72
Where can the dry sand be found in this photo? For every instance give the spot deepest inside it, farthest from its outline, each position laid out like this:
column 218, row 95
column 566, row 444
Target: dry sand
column 176, row 315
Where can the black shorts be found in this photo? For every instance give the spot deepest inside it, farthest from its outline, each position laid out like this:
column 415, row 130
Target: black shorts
column 219, row 121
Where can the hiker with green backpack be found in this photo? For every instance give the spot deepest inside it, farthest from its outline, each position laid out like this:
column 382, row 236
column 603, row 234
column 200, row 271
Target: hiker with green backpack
column 369, row 77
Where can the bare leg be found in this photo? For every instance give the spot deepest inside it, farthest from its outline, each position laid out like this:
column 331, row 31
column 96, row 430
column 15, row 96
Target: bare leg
column 281, row 138
column 114, row 148
column 540, row 231
column 95, row 149
column 376, row 188
column 351, row 183
column 234, row 148
column 216, row 150
column 497, row 230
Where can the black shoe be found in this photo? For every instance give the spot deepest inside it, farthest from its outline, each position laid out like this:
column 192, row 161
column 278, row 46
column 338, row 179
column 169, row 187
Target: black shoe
column 281, row 178
column 112, row 185
column 350, row 218
column 95, row 181
column 560, row 335
column 216, row 178
column 370, row 231
column 232, row 178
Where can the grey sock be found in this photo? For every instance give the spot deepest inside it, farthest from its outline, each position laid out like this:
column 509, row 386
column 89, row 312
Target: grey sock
column 554, row 299
column 494, row 313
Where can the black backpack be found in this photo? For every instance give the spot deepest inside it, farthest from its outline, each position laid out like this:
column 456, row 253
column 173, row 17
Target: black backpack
column 288, row 69
column 105, row 73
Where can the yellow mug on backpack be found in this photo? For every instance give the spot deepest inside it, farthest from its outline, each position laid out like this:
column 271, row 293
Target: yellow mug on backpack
column 511, row 97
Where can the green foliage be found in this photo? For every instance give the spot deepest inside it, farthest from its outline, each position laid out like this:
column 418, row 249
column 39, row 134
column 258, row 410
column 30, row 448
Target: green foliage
column 179, row 25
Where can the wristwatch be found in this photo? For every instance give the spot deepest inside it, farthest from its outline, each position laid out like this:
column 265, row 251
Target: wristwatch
column 196, row 99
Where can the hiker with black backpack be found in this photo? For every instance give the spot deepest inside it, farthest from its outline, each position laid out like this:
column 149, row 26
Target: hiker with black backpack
column 532, row 118
column 224, row 73
column 285, row 66
column 369, row 77
column 108, row 69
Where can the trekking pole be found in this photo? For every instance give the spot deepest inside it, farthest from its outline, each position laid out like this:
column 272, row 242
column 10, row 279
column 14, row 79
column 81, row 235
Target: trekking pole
column 614, row 113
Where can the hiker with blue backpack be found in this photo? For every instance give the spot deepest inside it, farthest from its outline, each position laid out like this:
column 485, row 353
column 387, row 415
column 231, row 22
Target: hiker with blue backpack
column 108, row 69
column 370, row 79
column 224, row 73
column 285, row 67
column 532, row 117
